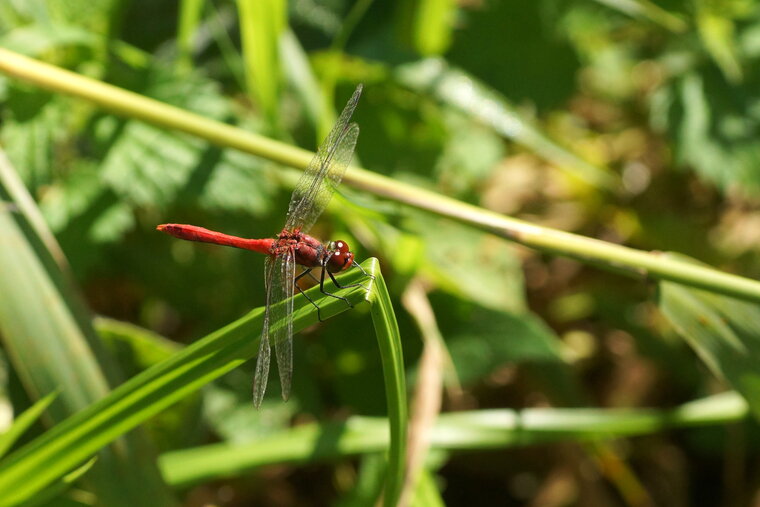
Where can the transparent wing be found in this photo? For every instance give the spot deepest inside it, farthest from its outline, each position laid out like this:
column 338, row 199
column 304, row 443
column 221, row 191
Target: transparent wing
column 279, row 274
column 261, row 377
column 282, row 335
column 326, row 169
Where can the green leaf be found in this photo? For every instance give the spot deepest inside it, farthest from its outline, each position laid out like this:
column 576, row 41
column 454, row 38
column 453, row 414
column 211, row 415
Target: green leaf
column 145, row 347
column 467, row 431
column 463, row 91
column 716, row 128
column 234, row 418
column 368, row 486
column 146, row 166
column 157, row 388
column 426, row 492
column 47, row 335
column 389, row 343
column 480, row 339
column 50, row 496
column 137, row 349
column 95, row 16
column 37, row 39
column 469, row 157
column 237, row 183
column 261, row 25
column 82, row 197
column 189, row 26
column 717, row 31
column 149, row 166
column 470, row 264
column 427, row 25
column 24, row 421
column 646, row 9
column 723, row 331
column 34, row 123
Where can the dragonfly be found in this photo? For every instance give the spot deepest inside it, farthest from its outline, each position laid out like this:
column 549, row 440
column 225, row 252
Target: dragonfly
column 293, row 246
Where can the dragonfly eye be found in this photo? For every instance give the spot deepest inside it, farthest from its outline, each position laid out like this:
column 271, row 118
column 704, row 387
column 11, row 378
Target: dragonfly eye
column 341, row 257
column 341, row 246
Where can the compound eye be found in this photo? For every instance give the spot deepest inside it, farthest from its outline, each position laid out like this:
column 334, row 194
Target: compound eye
column 341, row 247
column 341, row 256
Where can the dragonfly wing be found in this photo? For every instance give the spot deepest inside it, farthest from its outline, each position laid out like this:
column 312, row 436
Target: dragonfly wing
column 283, row 333
column 261, row 377
column 326, row 169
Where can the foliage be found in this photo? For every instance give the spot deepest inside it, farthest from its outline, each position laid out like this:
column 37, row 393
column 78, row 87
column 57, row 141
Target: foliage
column 631, row 122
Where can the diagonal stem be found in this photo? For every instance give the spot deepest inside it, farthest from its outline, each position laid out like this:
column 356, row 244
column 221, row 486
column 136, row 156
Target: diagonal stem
column 629, row 261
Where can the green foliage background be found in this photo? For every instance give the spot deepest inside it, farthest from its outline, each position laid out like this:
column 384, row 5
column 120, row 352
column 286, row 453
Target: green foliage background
column 632, row 122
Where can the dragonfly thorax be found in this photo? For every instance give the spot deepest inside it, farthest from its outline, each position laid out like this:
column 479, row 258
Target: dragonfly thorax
column 308, row 251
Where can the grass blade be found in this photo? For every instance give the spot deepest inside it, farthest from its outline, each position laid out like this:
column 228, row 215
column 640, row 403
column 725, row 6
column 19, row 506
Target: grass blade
column 189, row 22
column 464, row 431
column 613, row 257
column 389, row 342
column 426, row 492
column 462, row 91
column 47, row 333
column 39, row 463
column 723, row 331
column 48, row 496
column 24, row 421
column 261, row 24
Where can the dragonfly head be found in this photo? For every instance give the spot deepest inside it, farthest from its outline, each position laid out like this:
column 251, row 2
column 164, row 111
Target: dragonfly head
column 341, row 258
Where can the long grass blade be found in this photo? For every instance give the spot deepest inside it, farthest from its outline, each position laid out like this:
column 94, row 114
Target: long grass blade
column 722, row 331
column 617, row 258
column 47, row 333
column 189, row 22
column 43, row 460
column 459, row 431
column 389, row 343
column 261, row 25
column 23, row 422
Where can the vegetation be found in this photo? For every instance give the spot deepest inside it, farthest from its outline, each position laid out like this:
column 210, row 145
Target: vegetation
column 557, row 201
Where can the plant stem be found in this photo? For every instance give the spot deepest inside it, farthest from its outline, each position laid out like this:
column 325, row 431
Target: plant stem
column 610, row 256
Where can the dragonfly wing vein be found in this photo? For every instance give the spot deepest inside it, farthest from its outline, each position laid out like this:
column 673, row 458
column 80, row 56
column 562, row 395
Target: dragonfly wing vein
column 326, row 169
column 261, row 377
column 283, row 333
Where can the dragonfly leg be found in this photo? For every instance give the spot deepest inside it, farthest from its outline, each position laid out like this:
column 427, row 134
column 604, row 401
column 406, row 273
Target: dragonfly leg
column 358, row 284
column 335, row 281
column 357, row 265
column 322, row 286
column 295, row 282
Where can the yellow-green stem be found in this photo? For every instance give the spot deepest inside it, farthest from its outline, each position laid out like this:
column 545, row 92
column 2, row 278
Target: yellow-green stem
column 607, row 255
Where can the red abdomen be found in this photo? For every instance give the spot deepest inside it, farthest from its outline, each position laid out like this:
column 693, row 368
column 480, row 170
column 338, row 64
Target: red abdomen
column 195, row 233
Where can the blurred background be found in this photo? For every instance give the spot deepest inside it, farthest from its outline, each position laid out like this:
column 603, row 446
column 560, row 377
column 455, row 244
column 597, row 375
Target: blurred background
column 633, row 122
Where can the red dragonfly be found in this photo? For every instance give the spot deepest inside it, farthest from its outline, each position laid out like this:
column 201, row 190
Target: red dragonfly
column 294, row 246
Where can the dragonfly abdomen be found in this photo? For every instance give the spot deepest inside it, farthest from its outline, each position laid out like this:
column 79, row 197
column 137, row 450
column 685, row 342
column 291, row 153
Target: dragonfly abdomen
column 200, row 234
